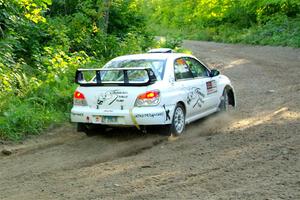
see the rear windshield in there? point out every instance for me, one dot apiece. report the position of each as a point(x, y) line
point(134, 76)
point(158, 67)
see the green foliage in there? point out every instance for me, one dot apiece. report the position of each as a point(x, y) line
point(125, 17)
point(43, 42)
point(170, 42)
point(273, 22)
point(174, 43)
point(26, 116)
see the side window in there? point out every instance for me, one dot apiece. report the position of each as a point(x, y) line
point(181, 69)
point(198, 70)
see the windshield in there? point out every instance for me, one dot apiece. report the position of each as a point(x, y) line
point(158, 66)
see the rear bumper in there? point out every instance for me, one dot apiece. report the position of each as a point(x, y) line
point(136, 116)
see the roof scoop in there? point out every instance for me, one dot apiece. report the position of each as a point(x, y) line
point(161, 50)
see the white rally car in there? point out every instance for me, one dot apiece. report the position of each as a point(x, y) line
point(157, 88)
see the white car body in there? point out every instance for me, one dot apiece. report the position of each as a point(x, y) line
point(115, 105)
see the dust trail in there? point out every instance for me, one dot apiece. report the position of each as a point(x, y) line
point(120, 150)
point(212, 125)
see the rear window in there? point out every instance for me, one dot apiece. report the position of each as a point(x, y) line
point(158, 67)
point(134, 76)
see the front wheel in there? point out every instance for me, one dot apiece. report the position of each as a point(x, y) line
point(225, 105)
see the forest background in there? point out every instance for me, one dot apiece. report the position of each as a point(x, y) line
point(43, 42)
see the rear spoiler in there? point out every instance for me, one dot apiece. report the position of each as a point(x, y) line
point(79, 77)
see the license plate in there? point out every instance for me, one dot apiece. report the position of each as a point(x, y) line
point(98, 118)
point(109, 119)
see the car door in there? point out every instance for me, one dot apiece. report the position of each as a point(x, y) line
point(184, 84)
point(206, 86)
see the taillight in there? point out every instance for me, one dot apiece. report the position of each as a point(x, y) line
point(150, 98)
point(78, 95)
point(79, 99)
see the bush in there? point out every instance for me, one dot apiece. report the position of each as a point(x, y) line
point(265, 22)
point(41, 48)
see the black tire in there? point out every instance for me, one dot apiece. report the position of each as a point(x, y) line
point(172, 129)
point(178, 121)
point(224, 104)
point(164, 130)
point(90, 129)
point(81, 127)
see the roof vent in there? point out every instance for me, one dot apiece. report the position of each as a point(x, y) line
point(161, 50)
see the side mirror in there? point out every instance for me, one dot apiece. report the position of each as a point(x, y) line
point(214, 73)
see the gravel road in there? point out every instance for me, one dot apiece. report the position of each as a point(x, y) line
point(252, 152)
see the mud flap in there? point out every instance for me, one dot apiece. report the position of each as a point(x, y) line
point(134, 119)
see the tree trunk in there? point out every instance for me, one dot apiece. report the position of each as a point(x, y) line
point(107, 4)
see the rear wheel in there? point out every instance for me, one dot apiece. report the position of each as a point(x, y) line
point(90, 129)
point(178, 122)
point(177, 126)
point(81, 127)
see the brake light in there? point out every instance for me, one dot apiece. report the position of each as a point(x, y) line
point(78, 95)
point(79, 99)
point(149, 95)
point(150, 98)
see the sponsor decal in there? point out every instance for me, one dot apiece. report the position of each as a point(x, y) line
point(211, 87)
point(167, 111)
point(111, 97)
point(152, 115)
point(77, 114)
point(195, 97)
point(180, 61)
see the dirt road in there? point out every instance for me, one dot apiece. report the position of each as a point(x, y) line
point(250, 153)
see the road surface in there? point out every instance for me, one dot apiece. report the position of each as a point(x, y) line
point(251, 152)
